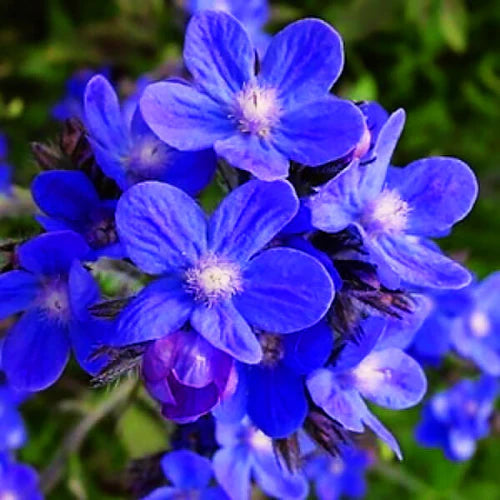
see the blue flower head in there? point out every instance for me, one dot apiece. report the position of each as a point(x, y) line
point(54, 290)
point(129, 152)
point(372, 368)
point(339, 476)
point(189, 475)
point(18, 481)
point(69, 200)
point(257, 122)
point(246, 453)
point(217, 274)
point(455, 419)
point(396, 209)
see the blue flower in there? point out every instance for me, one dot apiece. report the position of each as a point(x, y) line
point(252, 14)
point(273, 393)
point(190, 475)
point(455, 419)
point(131, 152)
point(18, 481)
point(12, 431)
point(218, 275)
point(396, 209)
point(70, 201)
point(339, 476)
point(247, 453)
point(383, 374)
point(54, 290)
point(257, 122)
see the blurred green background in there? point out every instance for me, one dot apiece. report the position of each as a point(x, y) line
point(438, 59)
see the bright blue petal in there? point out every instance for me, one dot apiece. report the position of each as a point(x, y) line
point(309, 349)
point(183, 117)
point(249, 217)
point(18, 289)
point(390, 378)
point(218, 54)
point(64, 194)
point(284, 291)
point(439, 191)
point(461, 445)
point(318, 132)
point(186, 469)
point(52, 253)
point(35, 352)
point(232, 467)
point(233, 409)
point(376, 426)
point(277, 402)
point(419, 265)
point(255, 155)
point(274, 478)
point(165, 493)
point(342, 404)
point(224, 327)
point(302, 75)
point(161, 227)
point(160, 308)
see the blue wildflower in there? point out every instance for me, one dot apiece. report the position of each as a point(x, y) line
point(54, 290)
point(190, 475)
point(339, 476)
point(455, 419)
point(252, 14)
point(131, 152)
point(217, 275)
point(383, 374)
point(274, 390)
point(69, 200)
point(18, 481)
point(396, 209)
point(257, 122)
point(245, 454)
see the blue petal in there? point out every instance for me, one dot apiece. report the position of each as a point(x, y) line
point(218, 54)
point(83, 291)
point(18, 289)
point(274, 478)
point(255, 155)
point(440, 192)
point(161, 227)
point(390, 378)
point(461, 445)
point(224, 327)
point(51, 224)
point(419, 265)
point(319, 132)
point(233, 409)
point(64, 194)
point(284, 291)
point(183, 117)
point(342, 404)
point(309, 349)
point(160, 308)
point(165, 493)
point(35, 352)
point(249, 217)
point(355, 350)
point(302, 75)
point(232, 467)
point(186, 469)
point(277, 402)
point(12, 431)
point(376, 426)
point(52, 253)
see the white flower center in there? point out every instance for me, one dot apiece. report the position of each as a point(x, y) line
point(8, 495)
point(147, 159)
point(54, 299)
point(479, 324)
point(257, 110)
point(213, 279)
point(387, 213)
point(259, 441)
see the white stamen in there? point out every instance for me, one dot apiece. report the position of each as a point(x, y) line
point(386, 213)
point(213, 278)
point(479, 324)
point(257, 109)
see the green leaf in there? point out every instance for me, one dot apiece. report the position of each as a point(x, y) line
point(453, 21)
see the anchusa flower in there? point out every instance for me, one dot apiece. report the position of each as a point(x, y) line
point(257, 122)
point(54, 290)
point(455, 419)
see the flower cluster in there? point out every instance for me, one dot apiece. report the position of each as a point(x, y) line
point(282, 312)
